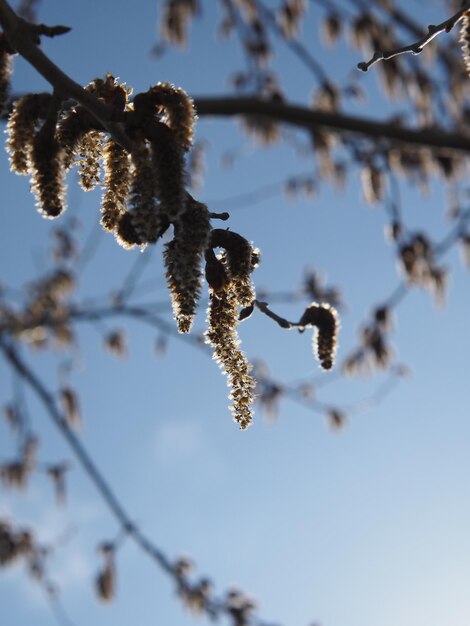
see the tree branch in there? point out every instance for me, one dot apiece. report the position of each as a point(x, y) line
point(22, 39)
point(307, 118)
point(20, 36)
point(417, 46)
point(209, 605)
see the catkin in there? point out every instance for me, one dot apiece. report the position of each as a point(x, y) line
point(465, 40)
point(116, 184)
point(143, 212)
point(183, 257)
point(90, 149)
point(6, 54)
point(71, 129)
point(325, 319)
point(178, 111)
point(222, 336)
point(48, 174)
point(21, 129)
point(169, 174)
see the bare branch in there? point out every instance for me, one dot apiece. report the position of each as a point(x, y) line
point(417, 46)
point(283, 323)
point(23, 39)
point(211, 606)
point(307, 118)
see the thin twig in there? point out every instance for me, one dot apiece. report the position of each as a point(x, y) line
point(417, 46)
point(283, 323)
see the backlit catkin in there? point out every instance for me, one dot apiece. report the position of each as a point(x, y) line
point(465, 40)
point(325, 319)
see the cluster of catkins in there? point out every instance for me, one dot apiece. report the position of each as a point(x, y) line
point(418, 263)
point(143, 194)
point(143, 188)
point(20, 544)
point(13, 543)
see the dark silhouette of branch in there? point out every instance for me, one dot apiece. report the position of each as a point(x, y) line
point(304, 117)
point(23, 39)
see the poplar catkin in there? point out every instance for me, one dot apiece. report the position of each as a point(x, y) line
point(143, 211)
point(465, 40)
point(183, 257)
point(325, 318)
point(169, 174)
point(222, 336)
point(89, 161)
point(116, 184)
point(48, 174)
point(21, 129)
point(6, 54)
point(177, 111)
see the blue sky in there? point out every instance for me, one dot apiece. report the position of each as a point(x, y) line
point(363, 527)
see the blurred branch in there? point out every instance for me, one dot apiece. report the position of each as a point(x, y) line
point(190, 594)
point(307, 118)
point(417, 46)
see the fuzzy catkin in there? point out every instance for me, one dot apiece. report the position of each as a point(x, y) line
point(324, 317)
point(48, 174)
point(169, 175)
point(71, 129)
point(21, 129)
point(76, 130)
point(5, 71)
point(183, 257)
point(143, 212)
point(176, 15)
point(110, 91)
point(116, 184)
point(240, 259)
point(125, 232)
point(178, 111)
point(325, 339)
point(90, 149)
point(465, 40)
point(222, 336)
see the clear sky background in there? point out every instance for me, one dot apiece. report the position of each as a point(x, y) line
point(363, 527)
